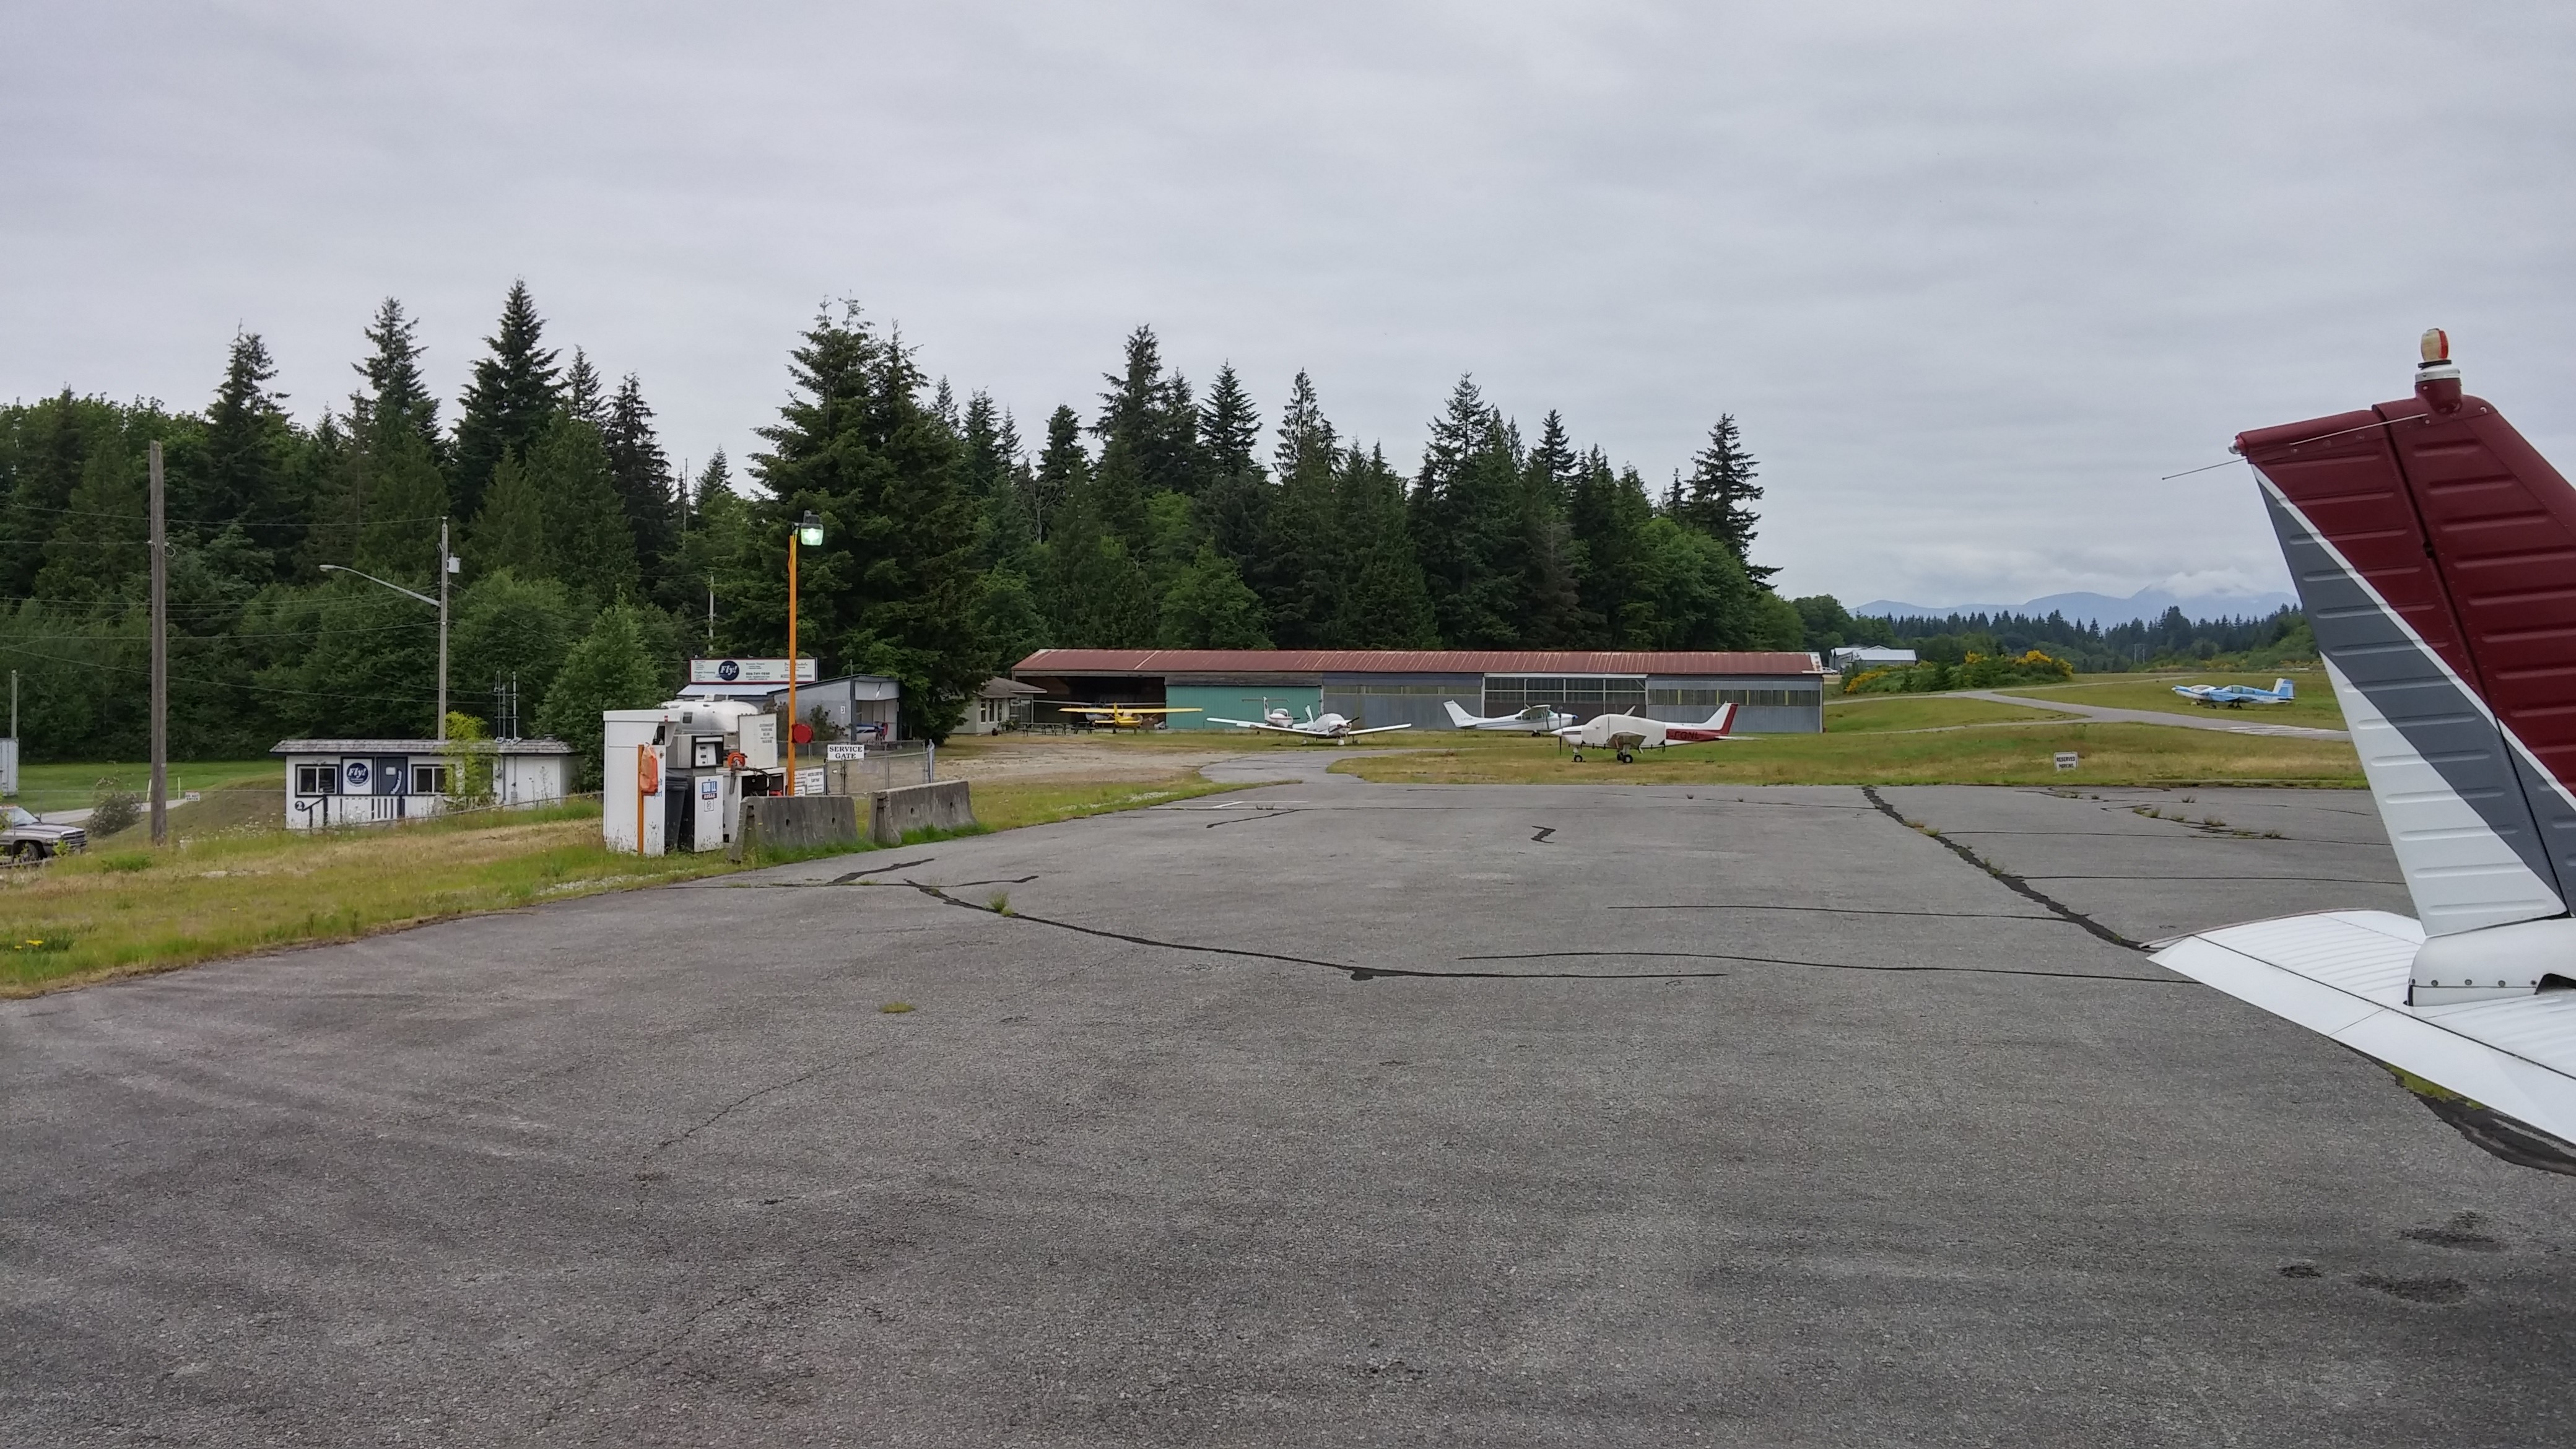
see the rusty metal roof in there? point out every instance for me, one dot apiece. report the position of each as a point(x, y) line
point(1414, 661)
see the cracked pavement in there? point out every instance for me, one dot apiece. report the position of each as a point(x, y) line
point(1495, 1115)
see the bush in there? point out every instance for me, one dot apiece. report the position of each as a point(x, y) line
point(112, 808)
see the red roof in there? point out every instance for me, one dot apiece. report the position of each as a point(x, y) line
point(1412, 661)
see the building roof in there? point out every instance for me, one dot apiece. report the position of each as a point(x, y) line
point(1413, 661)
point(999, 687)
point(419, 747)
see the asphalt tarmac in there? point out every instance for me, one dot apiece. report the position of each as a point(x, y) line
point(1322, 1114)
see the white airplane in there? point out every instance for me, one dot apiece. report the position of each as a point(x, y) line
point(2237, 696)
point(2448, 644)
point(1538, 719)
point(1628, 733)
point(1327, 728)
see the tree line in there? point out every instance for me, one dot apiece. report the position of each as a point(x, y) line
point(2170, 640)
point(953, 544)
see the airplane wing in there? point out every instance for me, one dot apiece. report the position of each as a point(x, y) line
point(1374, 730)
point(2346, 973)
point(1250, 724)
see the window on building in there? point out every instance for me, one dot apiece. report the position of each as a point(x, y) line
point(1594, 693)
point(429, 779)
point(317, 779)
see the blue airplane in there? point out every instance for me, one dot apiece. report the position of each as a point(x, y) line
point(2236, 696)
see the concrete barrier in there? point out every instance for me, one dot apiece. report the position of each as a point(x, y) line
point(795, 822)
point(939, 805)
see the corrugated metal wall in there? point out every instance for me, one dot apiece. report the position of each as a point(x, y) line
point(1393, 699)
point(1237, 701)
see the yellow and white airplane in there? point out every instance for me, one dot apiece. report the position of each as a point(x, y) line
point(1124, 716)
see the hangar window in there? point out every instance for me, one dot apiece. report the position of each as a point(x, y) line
point(317, 779)
point(1600, 694)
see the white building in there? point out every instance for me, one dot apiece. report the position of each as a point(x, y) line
point(1001, 704)
point(371, 782)
point(1854, 659)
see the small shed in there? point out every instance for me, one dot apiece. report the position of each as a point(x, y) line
point(1002, 704)
point(374, 782)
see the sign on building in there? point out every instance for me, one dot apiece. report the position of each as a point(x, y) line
point(749, 671)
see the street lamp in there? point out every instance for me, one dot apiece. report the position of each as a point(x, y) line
point(447, 564)
point(808, 534)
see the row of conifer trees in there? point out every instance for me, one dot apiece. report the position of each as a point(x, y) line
point(954, 544)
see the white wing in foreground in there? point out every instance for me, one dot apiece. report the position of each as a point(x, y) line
point(2344, 973)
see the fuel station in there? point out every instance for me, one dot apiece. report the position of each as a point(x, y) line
point(674, 777)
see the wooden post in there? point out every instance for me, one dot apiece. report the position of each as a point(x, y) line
point(160, 662)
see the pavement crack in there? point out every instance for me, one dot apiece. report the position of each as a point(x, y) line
point(1259, 813)
point(2010, 880)
point(1356, 973)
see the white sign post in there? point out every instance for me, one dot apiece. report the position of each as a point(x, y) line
point(2065, 760)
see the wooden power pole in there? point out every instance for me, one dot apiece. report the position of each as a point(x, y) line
point(160, 662)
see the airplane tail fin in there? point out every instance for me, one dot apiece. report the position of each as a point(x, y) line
point(2285, 689)
point(2430, 545)
point(1459, 717)
point(1723, 720)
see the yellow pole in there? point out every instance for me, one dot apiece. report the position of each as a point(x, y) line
point(792, 537)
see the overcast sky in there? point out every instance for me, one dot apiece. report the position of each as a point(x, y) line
point(1971, 277)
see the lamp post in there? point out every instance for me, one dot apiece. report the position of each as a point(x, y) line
point(447, 564)
point(808, 534)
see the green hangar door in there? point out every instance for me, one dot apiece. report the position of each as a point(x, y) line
point(1237, 701)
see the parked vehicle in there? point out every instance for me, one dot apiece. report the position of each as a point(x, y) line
point(28, 838)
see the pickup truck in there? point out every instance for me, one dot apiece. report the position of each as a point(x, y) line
point(26, 838)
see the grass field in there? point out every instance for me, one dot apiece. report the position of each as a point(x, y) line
point(2314, 707)
point(69, 786)
point(2111, 754)
point(237, 883)
point(1866, 713)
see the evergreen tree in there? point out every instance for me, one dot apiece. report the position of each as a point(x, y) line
point(1551, 614)
point(613, 667)
point(510, 531)
point(401, 500)
point(894, 588)
point(509, 626)
point(240, 463)
point(1229, 428)
point(108, 554)
point(588, 544)
point(511, 399)
point(1607, 513)
point(1302, 562)
point(582, 394)
point(1469, 525)
point(716, 477)
point(394, 384)
point(1208, 606)
point(1385, 604)
point(1064, 469)
point(641, 473)
point(1718, 499)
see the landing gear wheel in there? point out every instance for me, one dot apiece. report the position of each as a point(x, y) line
point(1626, 758)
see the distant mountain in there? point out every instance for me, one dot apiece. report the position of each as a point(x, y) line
point(2101, 608)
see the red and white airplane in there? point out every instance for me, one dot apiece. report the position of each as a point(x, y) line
point(1628, 733)
point(2435, 552)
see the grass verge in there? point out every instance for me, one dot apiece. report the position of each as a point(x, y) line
point(123, 909)
point(2110, 754)
point(69, 786)
point(2314, 707)
point(1868, 713)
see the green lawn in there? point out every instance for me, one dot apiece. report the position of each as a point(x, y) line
point(61, 786)
point(1863, 713)
point(2110, 754)
point(2315, 705)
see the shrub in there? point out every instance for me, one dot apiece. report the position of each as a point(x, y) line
point(112, 808)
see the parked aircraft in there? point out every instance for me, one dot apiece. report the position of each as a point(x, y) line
point(2236, 696)
point(1124, 716)
point(1327, 728)
point(2450, 642)
point(1628, 733)
point(1538, 719)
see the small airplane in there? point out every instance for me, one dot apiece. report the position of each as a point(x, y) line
point(1628, 733)
point(1123, 716)
point(1327, 728)
point(1538, 719)
point(2458, 680)
point(2237, 696)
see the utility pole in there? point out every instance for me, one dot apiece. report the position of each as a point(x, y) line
point(446, 566)
point(160, 663)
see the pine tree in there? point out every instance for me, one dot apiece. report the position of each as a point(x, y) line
point(588, 544)
point(611, 668)
point(240, 464)
point(1385, 604)
point(582, 396)
point(894, 588)
point(1469, 526)
point(1064, 469)
point(1551, 615)
point(402, 498)
point(510, 531)
point(1302, 561)
point(641, 473)
point(509, 402)
point(1208, 606)
point(1718, 499)
point(1229, 428)
point(394, 384)
point(1606, 513)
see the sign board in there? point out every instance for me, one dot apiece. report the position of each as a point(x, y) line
point(810, 782)
point(845, 752)
point(760, 741)
point(749, 671)
point(2066, 759)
